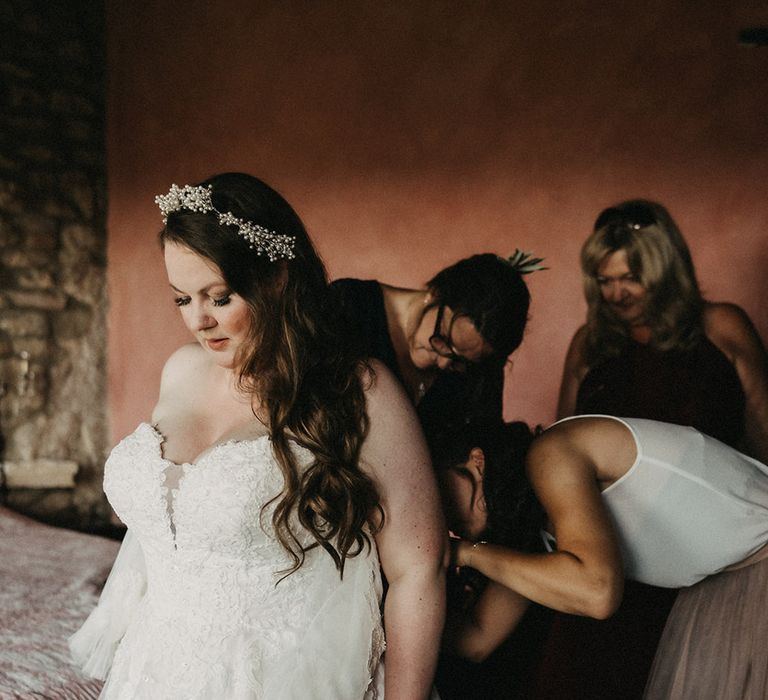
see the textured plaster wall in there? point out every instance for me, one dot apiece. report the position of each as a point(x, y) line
point(409, 134)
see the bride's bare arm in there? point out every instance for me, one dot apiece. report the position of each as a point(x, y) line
point(412, 542)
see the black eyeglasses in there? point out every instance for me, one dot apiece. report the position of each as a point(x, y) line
point(633, 216)
point(443, 345)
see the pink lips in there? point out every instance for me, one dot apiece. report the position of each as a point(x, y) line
point(216, 343)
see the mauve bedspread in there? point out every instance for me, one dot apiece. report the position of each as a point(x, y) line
point(50, 579)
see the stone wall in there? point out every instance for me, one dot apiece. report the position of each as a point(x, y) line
point(52, 259)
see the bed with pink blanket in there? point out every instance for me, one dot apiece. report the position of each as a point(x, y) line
point(50, 579)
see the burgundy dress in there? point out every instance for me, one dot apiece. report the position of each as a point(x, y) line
point(699, 388)
point(611, 659)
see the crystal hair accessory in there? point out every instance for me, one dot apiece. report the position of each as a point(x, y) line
point(197, 198)
point(524, 262)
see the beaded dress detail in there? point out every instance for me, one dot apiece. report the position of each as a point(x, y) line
point(193, 608)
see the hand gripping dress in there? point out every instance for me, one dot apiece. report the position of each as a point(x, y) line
point(195, 607)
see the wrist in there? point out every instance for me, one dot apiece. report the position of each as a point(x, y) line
point(471, 551)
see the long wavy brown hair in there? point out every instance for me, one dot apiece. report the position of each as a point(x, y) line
point(659, 256)
point(307, 386)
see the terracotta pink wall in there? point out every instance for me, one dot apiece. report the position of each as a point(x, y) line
point(409, 134)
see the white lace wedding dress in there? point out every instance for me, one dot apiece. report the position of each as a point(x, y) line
point(193, 608)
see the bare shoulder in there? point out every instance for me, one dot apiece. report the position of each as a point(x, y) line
point(595, 441)
point(383, 391)
point(394, 433)
point(724, 315)
point(184, 363)
point(580, 336)
point(729, 327)
point(180, 377)
point(576, 359)
point(542, 459)
point(556, 470)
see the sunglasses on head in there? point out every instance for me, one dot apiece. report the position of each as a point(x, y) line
point(634, 216)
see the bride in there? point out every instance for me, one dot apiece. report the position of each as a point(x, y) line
point(278, 472)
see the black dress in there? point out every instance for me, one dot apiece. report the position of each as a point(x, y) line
point(611, 659)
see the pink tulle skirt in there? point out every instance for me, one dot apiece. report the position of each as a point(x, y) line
point(715, 643)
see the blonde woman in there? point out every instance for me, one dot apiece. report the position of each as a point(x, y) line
point(652, 347)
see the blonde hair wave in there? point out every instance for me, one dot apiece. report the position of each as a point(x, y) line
point(658, 256)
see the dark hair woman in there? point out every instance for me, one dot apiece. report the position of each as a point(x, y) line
point(448, 342)
point(657, 503)
point(486, 497)
point(264, 493)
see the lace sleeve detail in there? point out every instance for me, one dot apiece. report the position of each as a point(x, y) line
point(93, 645)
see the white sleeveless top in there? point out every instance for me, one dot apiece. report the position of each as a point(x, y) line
point(688, 507)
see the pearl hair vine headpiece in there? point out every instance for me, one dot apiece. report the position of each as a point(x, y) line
point(197, 198)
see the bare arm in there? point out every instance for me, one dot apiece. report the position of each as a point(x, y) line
point(573, 372)
point(729, 327)
point(412, 541)
point(475, 633)
point(584, 576)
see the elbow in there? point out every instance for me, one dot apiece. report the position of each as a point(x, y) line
point(602, 609)
point(475, 648)
point(477, 655)
point(604, 597)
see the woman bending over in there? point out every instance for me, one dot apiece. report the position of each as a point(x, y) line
point(653, 502)
point(448, 342)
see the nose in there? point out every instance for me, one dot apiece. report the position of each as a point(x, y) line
point(201, 320)
point(614, 291)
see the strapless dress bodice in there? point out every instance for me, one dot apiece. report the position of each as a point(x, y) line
point(216, 616)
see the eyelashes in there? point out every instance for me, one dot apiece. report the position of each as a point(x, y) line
point(218, 301)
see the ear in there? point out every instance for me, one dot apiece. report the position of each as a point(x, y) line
point(480, 503)
point(476, 466)
point(477, 460)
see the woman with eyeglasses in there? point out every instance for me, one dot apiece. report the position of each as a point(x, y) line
point(446, 343)
point(652, 347)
